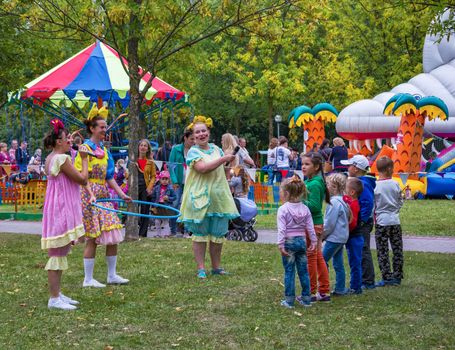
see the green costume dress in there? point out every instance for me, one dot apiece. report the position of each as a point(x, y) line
point(207, 204)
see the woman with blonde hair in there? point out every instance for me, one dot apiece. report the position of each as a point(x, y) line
point(207, 204)
point(228, 144)
point(339, 153)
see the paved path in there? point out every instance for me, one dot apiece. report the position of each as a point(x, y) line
point(410, 243)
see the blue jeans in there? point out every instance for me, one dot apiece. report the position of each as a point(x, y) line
point(176, 204)
point(354, 246)
point(272, 174)
point(335, 251)
point(296, 248)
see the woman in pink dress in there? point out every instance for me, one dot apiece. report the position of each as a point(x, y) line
point(62, 213)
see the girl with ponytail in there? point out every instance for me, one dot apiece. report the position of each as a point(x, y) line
point(62, 212)
point(312, 168)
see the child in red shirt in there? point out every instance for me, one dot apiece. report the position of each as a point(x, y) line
point(354, 245)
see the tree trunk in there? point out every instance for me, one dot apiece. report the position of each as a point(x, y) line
point(136, 131)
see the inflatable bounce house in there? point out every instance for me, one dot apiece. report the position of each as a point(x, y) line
point(414, 123)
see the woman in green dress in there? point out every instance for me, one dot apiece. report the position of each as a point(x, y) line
point(207, 204)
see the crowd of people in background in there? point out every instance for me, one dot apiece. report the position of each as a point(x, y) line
point(16, 164)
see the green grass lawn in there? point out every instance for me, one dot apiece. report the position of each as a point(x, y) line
point(421, 218)
point(166, 307)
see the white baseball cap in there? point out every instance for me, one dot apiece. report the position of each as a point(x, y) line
point(359, 161)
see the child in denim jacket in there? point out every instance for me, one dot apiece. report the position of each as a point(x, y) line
point(293, 220)
point(336, 230)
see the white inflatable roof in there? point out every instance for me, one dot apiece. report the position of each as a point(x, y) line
point(438, 79)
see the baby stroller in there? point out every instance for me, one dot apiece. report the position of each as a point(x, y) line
point(243, 226)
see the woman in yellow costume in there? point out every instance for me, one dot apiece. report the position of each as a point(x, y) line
point(207, 204)
point(101, 226)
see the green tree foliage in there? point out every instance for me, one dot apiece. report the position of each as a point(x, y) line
point(309, 52)
point(332, 51)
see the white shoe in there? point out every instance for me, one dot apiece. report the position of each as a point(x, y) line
point(93, 283)
point(68, 300)
point(116, 279)
point(57, 303)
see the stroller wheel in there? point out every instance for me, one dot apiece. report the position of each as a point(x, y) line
point(230, 236)
point(252, 235)
point(238, 235)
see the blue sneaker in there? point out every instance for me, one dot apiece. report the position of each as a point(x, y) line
point(355, 291)
point(201, 274)
point(368, 286)
point(336, 293)
point(384, 283)
point(303, 302)
point(395, 281)
point(285, 304)
point(219, 271)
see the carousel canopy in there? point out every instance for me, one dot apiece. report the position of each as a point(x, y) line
point(93, 73)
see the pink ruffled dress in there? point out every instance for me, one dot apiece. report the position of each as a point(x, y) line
point(62, 214)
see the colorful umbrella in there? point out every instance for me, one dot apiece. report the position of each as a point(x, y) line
point(93, 73)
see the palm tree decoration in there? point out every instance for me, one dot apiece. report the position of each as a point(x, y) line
point(313, 121)
point(413, 112)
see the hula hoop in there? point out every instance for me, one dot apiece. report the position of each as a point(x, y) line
point(138, 214)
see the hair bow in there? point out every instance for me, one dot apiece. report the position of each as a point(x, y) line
point(201, 119)
point(103, 112)
point(295, 178)
point(57, 125)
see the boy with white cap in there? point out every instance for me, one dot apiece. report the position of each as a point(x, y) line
point(358, 166)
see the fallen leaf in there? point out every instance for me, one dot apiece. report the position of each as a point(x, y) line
point(302, 325)
point(110, 292)
point(211, 299)
point(178, 308)
point(108, 347)
point(179, 338)
point(297, 313)
point(23, 305)
point(175, 345)
point(256, 329)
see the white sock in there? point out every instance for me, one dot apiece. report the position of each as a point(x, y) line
point(111, 265)
point(54, 300)
point(89, 265)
